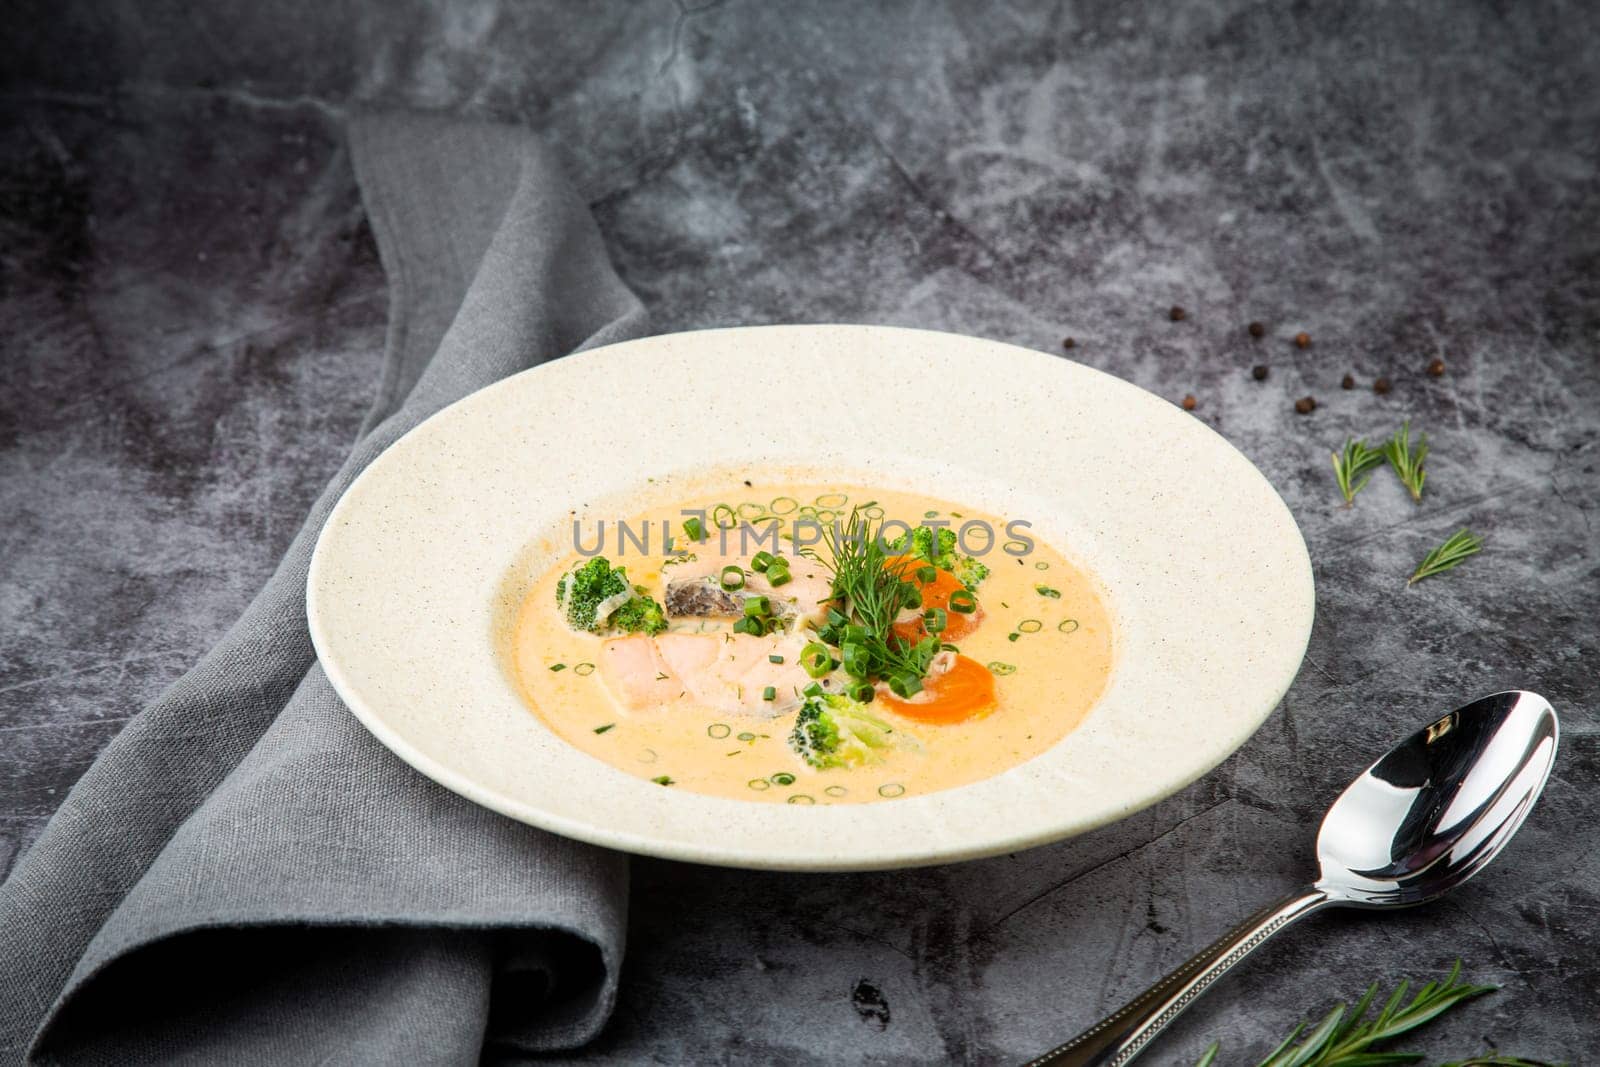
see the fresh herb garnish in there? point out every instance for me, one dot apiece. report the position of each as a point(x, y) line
point(870, 590)
point(558, 666)
point(1407, 463)
point(1346, 1038)
point(662, 780)
point(1352, 467)
point(1455, 549)
point(1046, 591)
point(603, 729)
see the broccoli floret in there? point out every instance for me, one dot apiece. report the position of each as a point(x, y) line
point(590, 594)
point(640, 615)
point(921, 543)
point(835, 731)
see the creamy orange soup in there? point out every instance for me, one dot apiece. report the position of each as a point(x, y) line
point(701, 708)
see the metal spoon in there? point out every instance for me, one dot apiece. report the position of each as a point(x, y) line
point(1422, 820)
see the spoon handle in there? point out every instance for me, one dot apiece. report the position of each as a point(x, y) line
point(1120, 1037)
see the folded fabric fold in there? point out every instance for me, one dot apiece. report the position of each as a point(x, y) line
point(245, 873)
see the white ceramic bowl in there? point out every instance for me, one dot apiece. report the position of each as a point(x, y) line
point(421, 564)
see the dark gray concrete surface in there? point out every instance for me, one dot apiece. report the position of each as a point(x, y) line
point(191, 316)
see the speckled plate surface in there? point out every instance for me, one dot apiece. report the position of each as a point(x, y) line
point(422, 562)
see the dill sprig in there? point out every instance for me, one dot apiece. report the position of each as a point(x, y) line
point(1407, 463)
point(869, 592)
point(1346, 1038)
point(1352, 467)
point(1455, 549)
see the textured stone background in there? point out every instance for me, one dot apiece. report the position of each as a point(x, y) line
point(191, 316)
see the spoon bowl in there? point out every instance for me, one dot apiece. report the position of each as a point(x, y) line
point(1417, 823)
point(1439, 806)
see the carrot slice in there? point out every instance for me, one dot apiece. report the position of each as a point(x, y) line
point(935, 594)
point(965, 690)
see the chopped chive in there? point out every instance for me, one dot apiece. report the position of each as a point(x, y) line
point(934, 620)
point(783, 778)
point(777, 575)
point(722, 511)
point(836, 790)
point(788, 503)
point(861, 692)
point(757, 606)
point(1016, 548)
point(930, 514)
point(761, 560)
point(891, 789)
point(1030, 626)
point(558, 666)
point(769, 693)
point(1041, 566)
point(812, 690)
point(905, 685)
point(662, 780)
point(747, 736)
point(718, 730)
point(749, 625)
point(996, 667)
point(695, 529)
point(832, 500)
point(751, 510)
point(759, 783)
point(802, 798)
point(1067, 626)
point(856, 658)
point(774, 658)
point(816, 659)
point(1045, 590)
point(732, 577)
point(583, 668)
point(962, 602)
point(603, 729)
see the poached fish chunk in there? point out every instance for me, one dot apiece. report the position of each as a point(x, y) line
point(724, 673)
point(694, 588)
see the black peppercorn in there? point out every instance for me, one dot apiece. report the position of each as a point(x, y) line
point(1189, 402)
point(1259, 372)
point(1380, 386)
point(1257, 330)
point(1349, 382)
point(1302, 339)
point(1306, 405)
point(1069, 343)
point(1436, 369)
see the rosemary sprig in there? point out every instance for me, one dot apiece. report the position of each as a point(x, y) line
point(1346, 1038)
point(1406, 462)
point(1455, 549)
point(1352, 467)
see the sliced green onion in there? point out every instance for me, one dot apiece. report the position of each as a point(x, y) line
point(861, 692)
point(927, 574)
point(832, 500)
point(777, 575)
point(761, 560)
point(801, 798)
point(603, 729)
point(813, 690)
point(1045, 590)
point(891, 789)
point(930, 514)
point(583, 668)
point(1067, 626)
point(836, 790)
point(769, 693)
point(783, 778)
point(826, 515)
point(662, 780)
point(872, 511)
point(724, 517)
point(1030, 626)
point(857, 659)
point(816, 659)
point(934, 620)
point(558, 666)
point(749, 625)
point(905, 685)
point(732, 577)
point(962, 602)
point(751, 510)
point(996, 667)
point(1041, 566)
point(1012, 636)
point(695, 529)
point(747, 736)
point(759, 784)
point(774, 658)
point(758, 606)
point(718, 730)
point(1016, 548)
point(783, 505)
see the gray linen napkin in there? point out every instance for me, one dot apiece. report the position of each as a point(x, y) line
point(245, 875)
